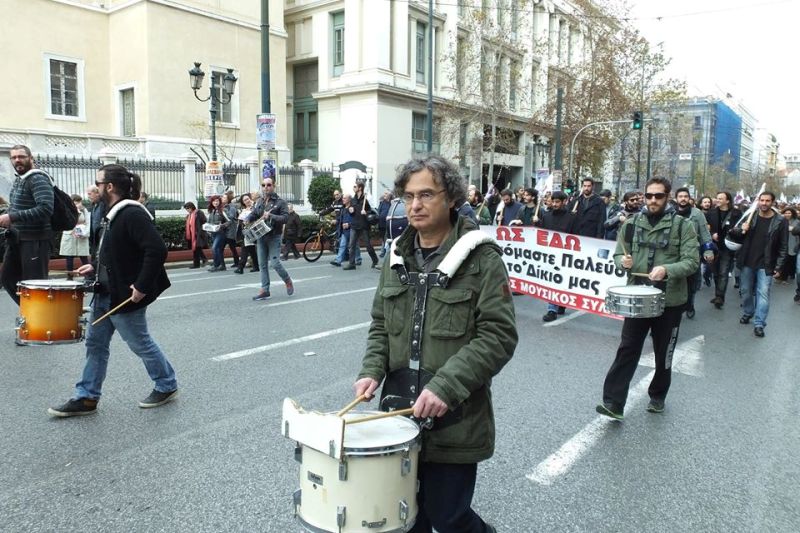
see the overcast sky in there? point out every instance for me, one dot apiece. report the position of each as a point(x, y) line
point(748, 48)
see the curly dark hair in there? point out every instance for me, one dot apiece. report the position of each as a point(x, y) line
point(445, 173)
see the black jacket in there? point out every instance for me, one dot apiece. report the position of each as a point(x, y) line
point(133, 253)
point(561, 220)
point(292, 228)
point(720, 222)
point(278, 212)
point(591, 215)
point(777, 242)
point(359, 220)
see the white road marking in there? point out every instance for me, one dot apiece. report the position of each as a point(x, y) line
point(692, 362)
point(283, 344)
point(563, 318)
point(563, 459)
point(321, 296)
point(236, 288)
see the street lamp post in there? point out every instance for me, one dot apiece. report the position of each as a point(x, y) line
point(196, 76)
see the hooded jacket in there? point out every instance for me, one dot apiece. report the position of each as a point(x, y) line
point(469, 334)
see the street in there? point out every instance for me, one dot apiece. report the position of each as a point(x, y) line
point(722, 457)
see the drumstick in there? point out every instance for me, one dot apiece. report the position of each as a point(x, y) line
point(129, 300)
point(640, 274)
point(401, 412)
point(352, 404)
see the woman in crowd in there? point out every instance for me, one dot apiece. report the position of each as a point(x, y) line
point(195, 234)
point(217, 219)
point(790, 265)
point(231, 226)
point(249, 248)
point(75, 242)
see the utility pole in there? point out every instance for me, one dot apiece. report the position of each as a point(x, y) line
point(266, 106)
point(430, 77)
point(649, 147)
point(557, 164)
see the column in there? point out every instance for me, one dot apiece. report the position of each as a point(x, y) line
point(190, 192)
point(308, 173)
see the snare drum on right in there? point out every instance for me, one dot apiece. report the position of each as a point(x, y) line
point(635, 301)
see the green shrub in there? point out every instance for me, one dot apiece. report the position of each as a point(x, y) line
point(173, 231)
point(320, 191)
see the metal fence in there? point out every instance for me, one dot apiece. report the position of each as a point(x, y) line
point(72, 174)
point(162, 180)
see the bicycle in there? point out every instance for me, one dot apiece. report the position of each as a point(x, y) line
point(318, 241)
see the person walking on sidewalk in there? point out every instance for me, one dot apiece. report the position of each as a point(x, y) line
point(291, 232)
point(272, 208)
point(129, 268)
point(663, 246)
point(359, 228)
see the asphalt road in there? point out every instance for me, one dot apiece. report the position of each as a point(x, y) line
point(722, 457)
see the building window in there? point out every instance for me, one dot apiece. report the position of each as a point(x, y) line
point(461, 63)
point(514, 19)
point(534, 82)
point(338, 43)
point(501, 13)
point(127, 112)
point(64, 78)
point(421, 51)
point(419, 134)
point(484, 75)
point(224, 101)
point(462, 143)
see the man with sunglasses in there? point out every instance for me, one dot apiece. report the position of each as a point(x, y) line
point(657, 248)
point(271, 208)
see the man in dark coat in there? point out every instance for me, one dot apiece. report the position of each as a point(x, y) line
point(130, 271)
point(557, 218)
point(590, 210)
point(291, 232)
point(720, 221)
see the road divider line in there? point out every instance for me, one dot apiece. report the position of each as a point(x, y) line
point(290, 342)
point(564, 318)
point(320, 297)
point(236, 288)
point(562, 460)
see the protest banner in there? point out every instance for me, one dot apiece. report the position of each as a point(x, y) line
point(561, 268)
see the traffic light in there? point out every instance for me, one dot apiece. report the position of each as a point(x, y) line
point(637, 120)
point(569, 187)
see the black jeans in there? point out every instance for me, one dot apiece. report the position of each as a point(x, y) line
point(722, 269)
point(290, 246)
point(24, 260)
point(664, 330)
point(445, 499)
point(355, 235)
point(249, 251)
point(198, 256)
point(231, 243)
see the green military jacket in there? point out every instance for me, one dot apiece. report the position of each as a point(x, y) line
point(469, 334)
point(679, 257)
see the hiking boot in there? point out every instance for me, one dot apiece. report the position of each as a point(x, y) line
point(655, 406)
point(74, 407)
point(238, 271)
point(289, 287)
point(156, 399)
point(745, 319)
point(561, 310)
point(549, 316)
point(609, 410)
point(349, 267)
point(261, 296)
point(690, 312)
point(336, 263)
point(758, 331)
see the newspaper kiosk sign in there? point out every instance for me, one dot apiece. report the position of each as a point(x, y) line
point(561, 268)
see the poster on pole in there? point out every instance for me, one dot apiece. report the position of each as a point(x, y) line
point(265, 131)
point(269, 169)
point(557, 180)
point(214, 184)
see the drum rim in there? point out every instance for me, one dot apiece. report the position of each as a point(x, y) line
point(316, 529)
point(63, 284)
point(619, 289)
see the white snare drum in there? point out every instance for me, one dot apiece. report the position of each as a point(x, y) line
point(50, 312)
point(373, 488)
point(635, 301)
point(256, 230)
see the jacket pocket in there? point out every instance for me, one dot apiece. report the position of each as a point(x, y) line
point(395, 308)
point(449, 312)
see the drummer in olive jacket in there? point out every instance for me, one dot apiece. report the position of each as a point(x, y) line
point(442, 326)
point(662, 248)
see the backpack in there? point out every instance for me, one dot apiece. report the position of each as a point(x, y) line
point(65, 214)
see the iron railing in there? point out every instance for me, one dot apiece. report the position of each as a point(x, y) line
point(162, 180)
point(72, 174)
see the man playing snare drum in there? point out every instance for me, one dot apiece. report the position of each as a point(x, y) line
point(442, 326)
point(662, 248)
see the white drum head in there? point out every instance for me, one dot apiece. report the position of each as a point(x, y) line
point(380, 433)
point(635, 290)
point(56, 284)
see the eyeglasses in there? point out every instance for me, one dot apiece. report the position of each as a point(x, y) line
point(266, 185)
point(656, 195)
point(99, 183)
point(424, 196)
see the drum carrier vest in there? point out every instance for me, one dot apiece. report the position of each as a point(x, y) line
point(634, 236)
point(403, 386)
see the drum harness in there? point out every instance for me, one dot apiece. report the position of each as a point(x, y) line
point(403, 386)
point(634, 235)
